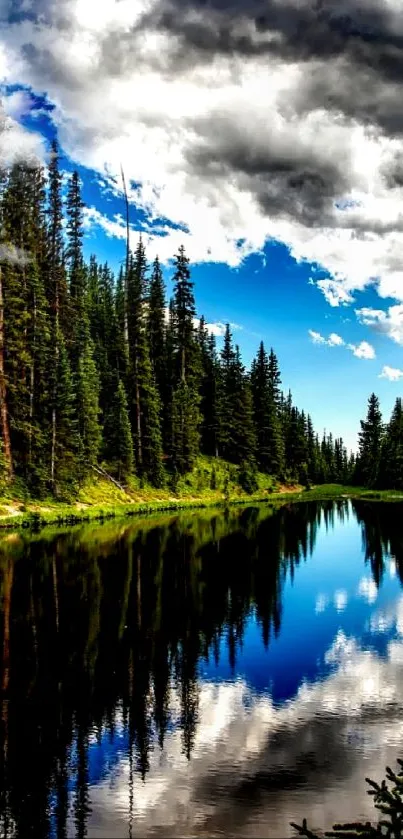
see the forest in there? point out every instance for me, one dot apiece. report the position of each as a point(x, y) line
point(101, 371)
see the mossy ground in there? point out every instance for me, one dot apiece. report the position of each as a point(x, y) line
point(212, 482)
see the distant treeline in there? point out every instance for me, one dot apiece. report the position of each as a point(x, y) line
point(102, 369)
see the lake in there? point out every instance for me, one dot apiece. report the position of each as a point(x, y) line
point(219, 673)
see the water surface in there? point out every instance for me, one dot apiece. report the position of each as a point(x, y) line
point(207, 674)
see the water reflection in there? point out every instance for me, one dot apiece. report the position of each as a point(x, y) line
point(197, 674)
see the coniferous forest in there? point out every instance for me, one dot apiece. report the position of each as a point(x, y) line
point(102, 372)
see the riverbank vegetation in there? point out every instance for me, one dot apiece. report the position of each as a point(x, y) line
point(103, 376)
point(105, 382)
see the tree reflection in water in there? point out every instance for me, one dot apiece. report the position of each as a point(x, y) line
point(98, 624)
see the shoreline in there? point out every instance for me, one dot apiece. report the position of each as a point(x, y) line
point(35, 516)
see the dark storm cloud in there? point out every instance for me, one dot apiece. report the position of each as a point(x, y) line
point(288, 180)
point(356, 47)
point(292, 30)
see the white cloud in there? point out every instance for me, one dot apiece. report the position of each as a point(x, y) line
point(335, 292)
point(350, 708)
point(317, 338)
point(17, 104)
point(117, 99)
point(391, 373)
point(390, 323)
point(362, 350)
point(333, 340)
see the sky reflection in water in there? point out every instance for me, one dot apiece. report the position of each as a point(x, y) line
point(263, 651)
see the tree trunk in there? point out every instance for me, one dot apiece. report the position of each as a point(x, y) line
point(5, 428)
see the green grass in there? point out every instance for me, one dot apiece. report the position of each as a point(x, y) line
point(211, 483)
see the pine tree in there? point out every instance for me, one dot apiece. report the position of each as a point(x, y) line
point(391, 461)
point(144, 397)
point(66, 437)
point(265, 380)
point(81, 347)
point(370, 443)
point(78, 316)
point(209, 385)
point(184, 314)
point(118, 443)
point(156, 328)
point(226, 397)
point(57, 295)
point(185, 416)
point(87, 407)
point(243, 423)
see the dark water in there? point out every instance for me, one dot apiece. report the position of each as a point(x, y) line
point(214, 674)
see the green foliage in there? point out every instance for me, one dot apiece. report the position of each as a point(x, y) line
point(248, 477)
point(370, 445)
point(76, 382)
point(388, 800)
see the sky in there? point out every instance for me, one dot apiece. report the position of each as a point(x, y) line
point(266, 136)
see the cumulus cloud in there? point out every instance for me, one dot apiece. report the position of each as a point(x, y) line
point(389, 323)
point(241, 120)
point(354, 713)
point(362, 350)
point(391, 373)
point(333, 340)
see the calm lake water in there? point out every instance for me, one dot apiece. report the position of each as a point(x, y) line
point(212, 674)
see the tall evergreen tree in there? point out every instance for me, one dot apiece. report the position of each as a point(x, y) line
point(118, 443)
point(370, 444)
point(265, 381)
point(156, 327)
point(209, 386)
point(391, 460)
point(84, 369)
point(186, 418)
point(145, 401)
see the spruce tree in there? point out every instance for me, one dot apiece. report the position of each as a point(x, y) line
point(265, 380)
point(209, 385)
point(56, 289)
point(391, 461)
point(118, 443)
point(81, 347)
point(185, 414)
point(144, 398)
point(370, 444)
point(226, 397)
point(156, 328)
point(78, 316)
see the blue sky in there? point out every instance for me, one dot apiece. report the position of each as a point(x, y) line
point(288, 207)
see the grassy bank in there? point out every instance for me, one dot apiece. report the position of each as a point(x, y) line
point(212, 483)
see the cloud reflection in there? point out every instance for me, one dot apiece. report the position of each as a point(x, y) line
point(294, 760)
